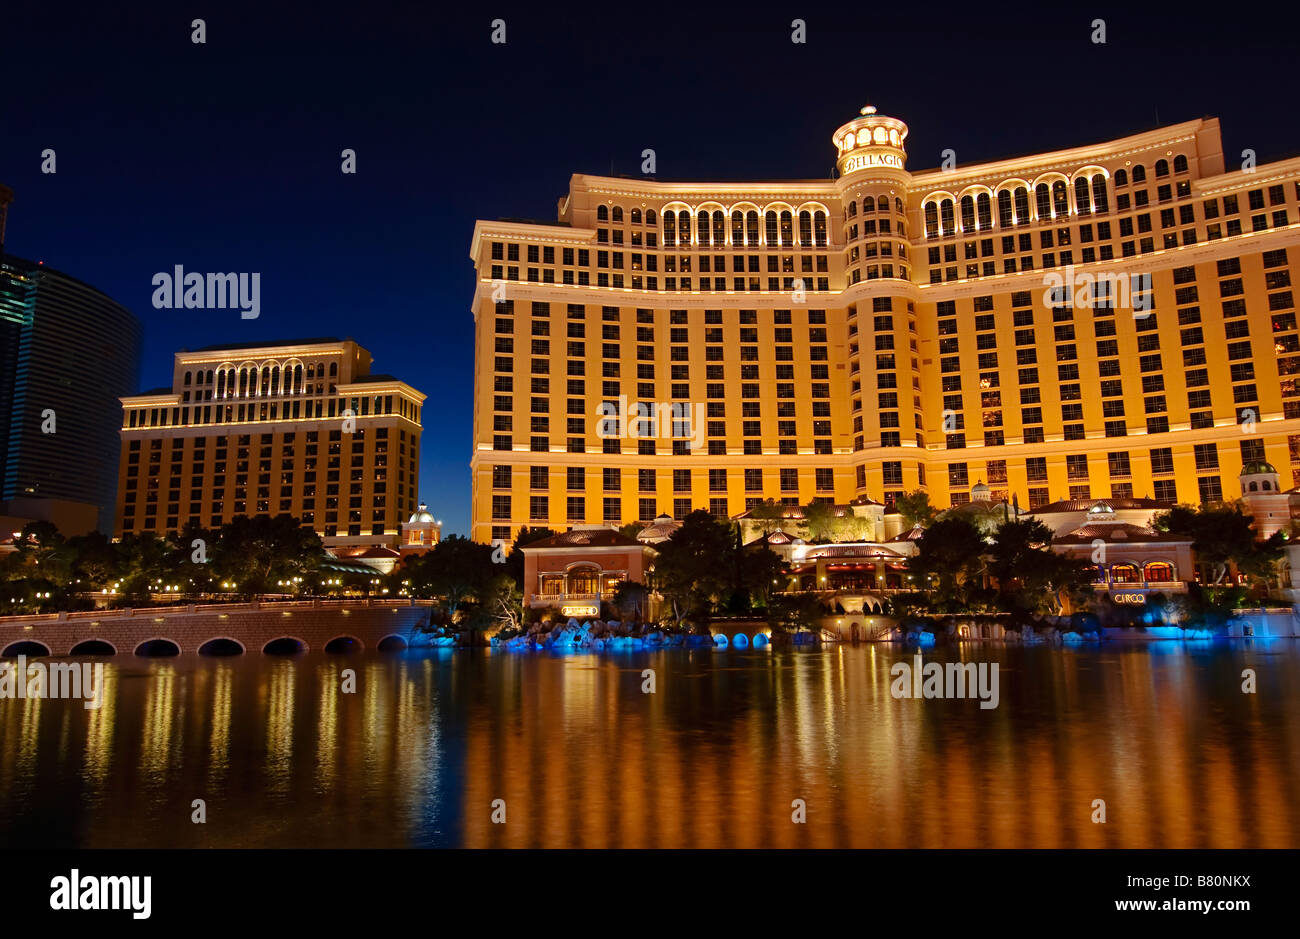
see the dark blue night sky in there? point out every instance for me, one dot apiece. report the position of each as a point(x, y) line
point(225, 156)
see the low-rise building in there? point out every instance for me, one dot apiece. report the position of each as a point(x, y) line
point(574, 572)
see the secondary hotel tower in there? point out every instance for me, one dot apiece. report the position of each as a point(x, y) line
point(302, 429)
point(1114, 320)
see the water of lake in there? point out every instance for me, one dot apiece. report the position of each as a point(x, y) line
point(715, 757)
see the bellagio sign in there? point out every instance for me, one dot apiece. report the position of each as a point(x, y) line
point(866, 161)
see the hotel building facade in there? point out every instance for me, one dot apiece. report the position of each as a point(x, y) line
point(68, 352)
point(302, 429)
point(1115, 320)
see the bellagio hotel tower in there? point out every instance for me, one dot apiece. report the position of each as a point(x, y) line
point(1114, 320)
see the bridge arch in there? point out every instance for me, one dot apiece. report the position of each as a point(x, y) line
point(392, 643)
point(93, 647)
point(28, 647)
point(284, 645)
point(345, 643)
point(222, 645)
point(158, 646)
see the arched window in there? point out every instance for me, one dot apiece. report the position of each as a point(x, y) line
point(1082, 196)
point(852, 210)
point(967, 213)
point(1099, 201)
point(787, 228)
point(1254, 487)
point(1180, 164)
point(737, 227)
point(650, 216)
point(221, 384)
point(946, 217)
point(1139, 174)
point(1121, 177)
point(1060, 199)
point(868, 204)
point(805, 228)
point(636, 216)
point(984, 207)
point(1043, 200)
point(931, 221)
point(898, 205)
point(1159, 572)
point(670, 229)
point(771, 233)
point(1162, 168)
point(684, 227)
point(1125, 574)
point(719, 227)
point(602, 213)
point(704, 227)
point(187, 378)
point(618, 213)
point(819, 228)
point(1006, 217)
point(583, 580)
point(1022, 206)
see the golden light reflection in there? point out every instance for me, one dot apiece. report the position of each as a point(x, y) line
point(714, 758)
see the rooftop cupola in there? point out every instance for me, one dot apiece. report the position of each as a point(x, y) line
point(871, 142)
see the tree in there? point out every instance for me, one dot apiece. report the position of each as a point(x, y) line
point(767, 512)
point(141, 564)
point(695, 570)
point(1031, 576)
point(515, 559)
point(459, 571)
point(915, 508)
point(821, 520)
point(950, 559)
point(792, 612)
point(500, 605)
point(1223, 536)
point(257, 552)
point(45, 553)
point(830, 523)
point(630, 598)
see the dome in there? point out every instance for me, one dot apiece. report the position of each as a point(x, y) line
point(1258, 467)
point(421, 516)
point(980, 492)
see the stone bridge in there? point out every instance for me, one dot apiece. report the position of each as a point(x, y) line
point(220, 628)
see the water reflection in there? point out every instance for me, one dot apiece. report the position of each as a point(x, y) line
point(716, 757)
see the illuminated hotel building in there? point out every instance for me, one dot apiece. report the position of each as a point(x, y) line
point(883, 331)
point(299, 428)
